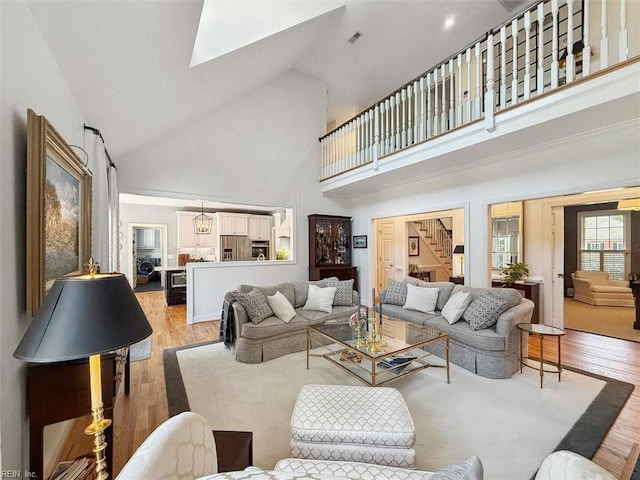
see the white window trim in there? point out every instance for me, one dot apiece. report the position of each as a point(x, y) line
point(627, 234)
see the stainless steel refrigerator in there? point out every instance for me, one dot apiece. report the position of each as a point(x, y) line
point(235, 248)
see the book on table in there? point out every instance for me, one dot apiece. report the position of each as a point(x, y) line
point(80, 469)
point(400, 362)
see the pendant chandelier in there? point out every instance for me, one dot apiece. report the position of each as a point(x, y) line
point(202, 223)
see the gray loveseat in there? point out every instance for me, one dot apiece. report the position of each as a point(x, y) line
point(490, 352)
point(272, 337)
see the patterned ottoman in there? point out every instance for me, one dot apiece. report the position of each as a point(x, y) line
point(357, 424)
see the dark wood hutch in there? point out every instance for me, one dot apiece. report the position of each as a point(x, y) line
point(330, 248)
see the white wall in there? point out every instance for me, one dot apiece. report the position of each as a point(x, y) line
point(261, 149)
point(30, 79)
point(600, 160)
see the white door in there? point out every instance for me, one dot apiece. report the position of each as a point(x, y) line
point(387, 255)
point(557, 269)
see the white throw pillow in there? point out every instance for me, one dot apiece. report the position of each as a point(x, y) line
point(281, 306)
point(421, 299)
point(455, 306)
point(320, 299)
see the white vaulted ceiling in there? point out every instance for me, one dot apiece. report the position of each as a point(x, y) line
point(128, 62)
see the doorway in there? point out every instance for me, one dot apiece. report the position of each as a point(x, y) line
point(599, 237)
point(147, 256)
point(418, 245)
point(553, 251)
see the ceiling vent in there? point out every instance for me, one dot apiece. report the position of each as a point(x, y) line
point(354, 38)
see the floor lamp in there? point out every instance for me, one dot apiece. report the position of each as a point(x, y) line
point(459, 250)
point(85, 316)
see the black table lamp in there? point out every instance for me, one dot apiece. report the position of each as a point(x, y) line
point(85, 316)
point(459, 250)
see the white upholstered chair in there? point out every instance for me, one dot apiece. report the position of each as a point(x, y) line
point(565, 465)
point(182, 448)
point(596, 288)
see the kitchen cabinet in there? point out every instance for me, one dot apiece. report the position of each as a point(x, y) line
point(187, 236)
point(233, 223)
point(260, 227)
point(146, 238)
point(175, 287)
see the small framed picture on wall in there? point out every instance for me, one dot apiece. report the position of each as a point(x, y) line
point(359, 241)
point(414, 246)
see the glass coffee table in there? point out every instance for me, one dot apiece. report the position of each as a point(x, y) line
point(400, 351)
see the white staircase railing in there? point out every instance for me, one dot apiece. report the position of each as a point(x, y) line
point(552, 43)
point(437, 235)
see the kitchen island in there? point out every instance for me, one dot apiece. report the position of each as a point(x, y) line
point(175, 285)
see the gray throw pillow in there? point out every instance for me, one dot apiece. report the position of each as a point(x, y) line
point(470, 469)
point(256, 304)
point(285, 288)
point(483, 311)
point(344, 289)
point(396, 293)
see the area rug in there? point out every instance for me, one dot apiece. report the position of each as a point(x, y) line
point(616, 322)
point(510, 424)
point(141, 350)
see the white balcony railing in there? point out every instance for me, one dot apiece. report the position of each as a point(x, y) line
point(552, 43)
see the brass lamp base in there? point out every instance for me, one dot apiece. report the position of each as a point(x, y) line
point(97, 428)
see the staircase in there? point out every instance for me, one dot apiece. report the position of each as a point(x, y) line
point(438, 237)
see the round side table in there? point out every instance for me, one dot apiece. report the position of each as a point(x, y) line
point(541, 331)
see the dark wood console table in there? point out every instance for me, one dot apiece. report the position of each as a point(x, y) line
point(635, 288)
point(60, 391)
point(234, 450)
point(530, 290)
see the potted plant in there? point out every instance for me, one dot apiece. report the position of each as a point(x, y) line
point(514, 272)
point(282, 254)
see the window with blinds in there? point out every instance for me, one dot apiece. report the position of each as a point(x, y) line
point(604, 241)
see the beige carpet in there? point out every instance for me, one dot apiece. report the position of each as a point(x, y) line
point(510, 424)
point(610, 321)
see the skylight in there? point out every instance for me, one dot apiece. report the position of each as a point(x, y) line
point(228, 26)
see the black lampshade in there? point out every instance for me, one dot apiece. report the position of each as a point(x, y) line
point(458, 249)
point(83, 316)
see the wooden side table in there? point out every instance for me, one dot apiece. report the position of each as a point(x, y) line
point(457, 280)
point(234, 450)
point(541, 331)
point(635, 288)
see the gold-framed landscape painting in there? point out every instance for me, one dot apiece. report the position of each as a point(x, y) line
point(58, 210)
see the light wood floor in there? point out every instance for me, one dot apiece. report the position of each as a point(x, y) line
point(146, 407)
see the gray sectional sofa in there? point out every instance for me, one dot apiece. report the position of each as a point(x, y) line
point(490, 352)
point(272, 337)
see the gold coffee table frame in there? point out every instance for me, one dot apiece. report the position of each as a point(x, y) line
point(401, 338)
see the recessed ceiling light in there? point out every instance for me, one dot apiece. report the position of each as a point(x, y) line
point(448, 23)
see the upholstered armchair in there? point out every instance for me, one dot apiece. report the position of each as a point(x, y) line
point(565, 465)
point(596, 288)
point(182, 448)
